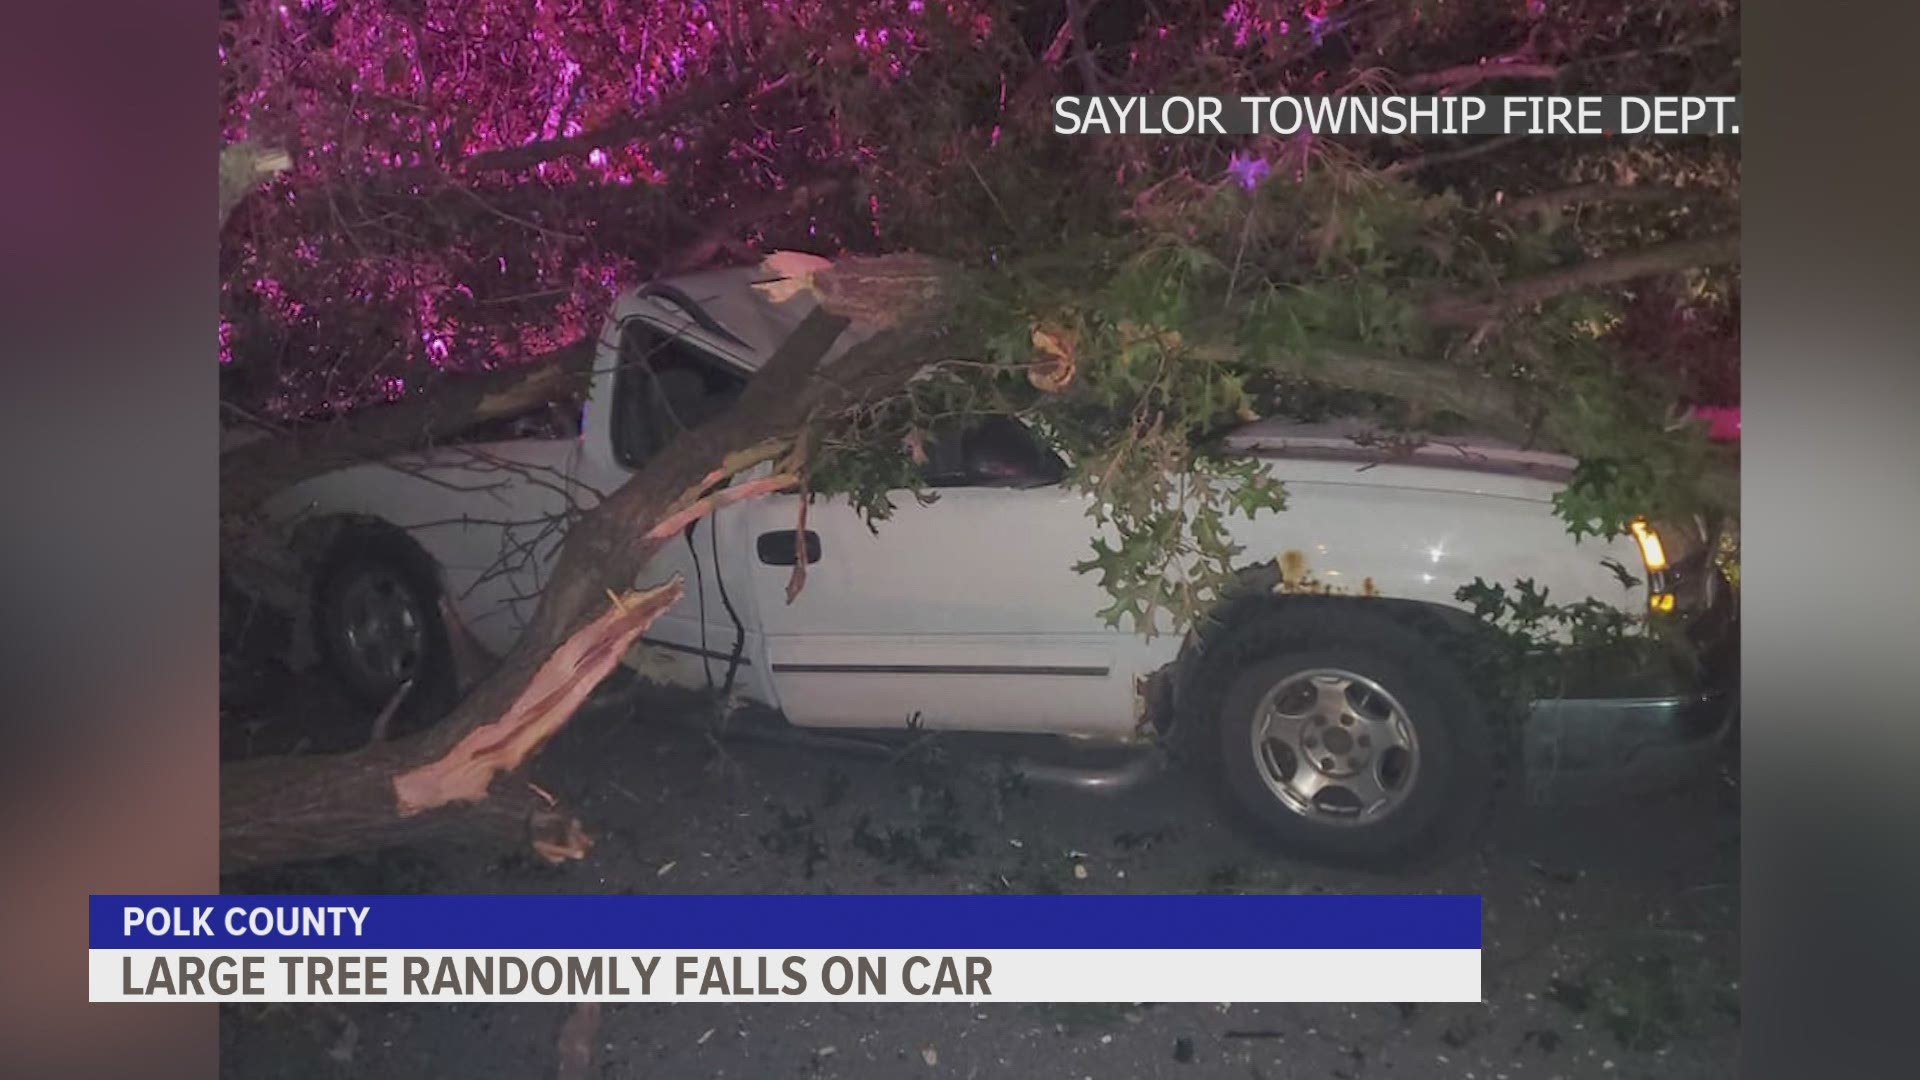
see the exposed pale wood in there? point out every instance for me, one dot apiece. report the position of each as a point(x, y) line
point(556, 689)
point(741, 492)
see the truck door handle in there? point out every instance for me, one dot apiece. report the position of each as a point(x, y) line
point(778, 548)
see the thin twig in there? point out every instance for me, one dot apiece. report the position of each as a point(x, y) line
point(517, 220)
point(384, 721)
point(988, 188)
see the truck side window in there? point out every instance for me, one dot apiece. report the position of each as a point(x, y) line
point(664, 386)
point(993, 451)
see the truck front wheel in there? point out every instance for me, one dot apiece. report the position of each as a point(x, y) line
point(1346, 737)
point(377, 622)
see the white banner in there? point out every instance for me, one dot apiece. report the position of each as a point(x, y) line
point(1018, 975)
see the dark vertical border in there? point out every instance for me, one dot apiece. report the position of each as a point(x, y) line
point(108, 550)
point(1831, 533)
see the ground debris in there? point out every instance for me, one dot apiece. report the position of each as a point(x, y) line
point(1570, 1000)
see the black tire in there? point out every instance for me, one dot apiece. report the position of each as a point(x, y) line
point(1454, 780)
point(394, 567)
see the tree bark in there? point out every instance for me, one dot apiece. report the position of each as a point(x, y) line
point(456, 403)
point(1457, 312)
point(701, 98)
point(451, 780)
point(724, 232)
point(456, 778)
point(450, 406)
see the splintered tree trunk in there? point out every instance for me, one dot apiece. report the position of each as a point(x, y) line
point(415, 789)
point(456, 779)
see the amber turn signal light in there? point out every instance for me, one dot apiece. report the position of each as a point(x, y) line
point(1652, 553)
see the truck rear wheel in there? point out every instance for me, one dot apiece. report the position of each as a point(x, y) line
point(1345, 736)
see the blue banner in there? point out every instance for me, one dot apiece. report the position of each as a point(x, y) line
point(748, 922)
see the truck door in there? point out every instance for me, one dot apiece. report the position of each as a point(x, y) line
point(661, 384)
point(964, 613)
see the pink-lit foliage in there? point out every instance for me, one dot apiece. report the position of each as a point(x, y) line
point(391, 249)
point(402, 243)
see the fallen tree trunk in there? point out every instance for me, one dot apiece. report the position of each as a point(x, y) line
point(415, 789)
point(449, 780)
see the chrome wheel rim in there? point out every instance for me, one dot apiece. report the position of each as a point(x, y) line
point(382, 627)
point(1335, 747)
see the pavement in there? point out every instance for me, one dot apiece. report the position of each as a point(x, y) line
point(1611, 940)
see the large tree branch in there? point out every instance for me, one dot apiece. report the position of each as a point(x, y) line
point(717, 236)
point(1444, 157)
point(1546, 202)
point(562, 682)
point(450, 406)
point(1459, 78)
point(1027, 92)
point(1454, 312)
point(702, 97)
point(256, 470)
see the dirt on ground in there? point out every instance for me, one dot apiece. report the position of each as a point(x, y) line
point(1611, 926)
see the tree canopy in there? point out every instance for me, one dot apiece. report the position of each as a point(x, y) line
point(469, 180)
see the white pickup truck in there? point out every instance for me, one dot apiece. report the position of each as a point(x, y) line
point(1327, 696)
